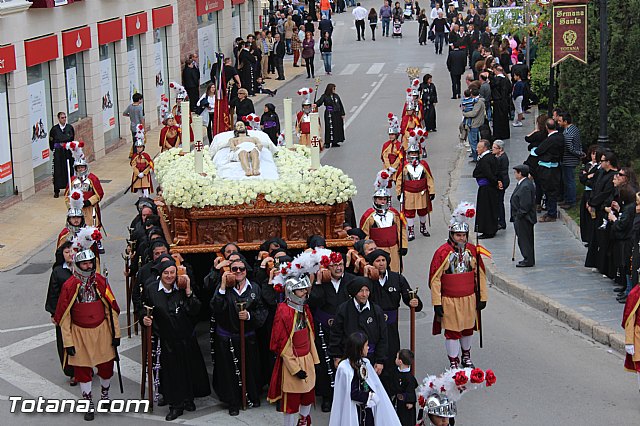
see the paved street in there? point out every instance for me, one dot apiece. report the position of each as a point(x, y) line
point(547, 372)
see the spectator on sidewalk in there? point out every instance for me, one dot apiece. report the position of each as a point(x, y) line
point(570, 158)
point(534, 139)
point(243, 105)
point(266, 46)
point(621, 216)
point(373, 22)
point(385, 17)
point(325, 26)
point(456, 64)
point(308, 54)
point(359, 15)
point(191, 83)
point(135, 112)
point(523, 215)
point(477, 120)
point(278, 57)
point(601, 196)
point(502, 162)
point(326, 45)
point(485, 93)
point(325, 9)
point(296, 46)
point(62, 158)
point(288, 33)
point(435, 12)
point(588, 176)
point(429, 98)
point(440, 27)
point(309, 27)
point(549, 155)
point(207, 103)
point(485, 174)
point(517, 94)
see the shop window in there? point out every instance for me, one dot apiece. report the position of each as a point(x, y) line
point(134, 65)
point(76, 94)
point(161, 65)
point(6, 165)
point(40, 119)
point(208, 44)
point(109, 93)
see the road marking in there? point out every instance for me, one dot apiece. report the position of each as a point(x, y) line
point(375, 68)
point(427, 68)
point(364, 95)
point(353, 108)
point(374, 83)
point(349, 69)
point(364, 103)
point(28, 327)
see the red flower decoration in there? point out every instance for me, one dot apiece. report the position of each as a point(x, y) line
point(81, 144)
point(256, 119)
point(384, 175)
point(310, 90)
point(173, 86)
point(96, 236)
point(335, 258)
point(477, 375)
point(283, 271)
point(140, 127)
point(299, 266)
point(390, 115)
point(412, 134)
point(72, 145)
point(278, 288)
point(75, 195)
point(325, 261)
point(420, 132)
point(421, 401)
point(490, 378)
point(243, 118)
point(416, 82)
point(461, 378)
point(470, 213)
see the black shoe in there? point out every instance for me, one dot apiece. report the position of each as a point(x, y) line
point(326, 405)
point(454, 97)
point(162, 402)
point(255, 404)
point(622, 299)
point(486, 236)
point(327, 145)
point(297, 66)
point(234, 411)
point(190, 405)
point(335, 145)
point(502, 227)
point(89, 416)
point(523, 264)
point(275, 92)
point(56, 194)
point(433, 130)
point(619, 289)
point(174, 413)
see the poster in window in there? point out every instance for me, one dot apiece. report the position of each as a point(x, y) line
point(158, 62)
point(5, 146)
point(38, 123)
point(206, 51)
point(106, 87)
point(72, 90)
point(133, 72)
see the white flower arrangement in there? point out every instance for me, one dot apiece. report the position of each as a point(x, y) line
point(184, 188)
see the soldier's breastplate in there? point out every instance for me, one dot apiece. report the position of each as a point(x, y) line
point(82, 185)
point(459, 263)
point(384, 221)
point(415, 173)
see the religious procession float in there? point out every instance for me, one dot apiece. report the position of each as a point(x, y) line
point(245, 189)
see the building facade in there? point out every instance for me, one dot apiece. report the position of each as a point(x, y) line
point(87, 58)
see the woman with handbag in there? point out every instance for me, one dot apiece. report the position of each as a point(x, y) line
point(423, 27)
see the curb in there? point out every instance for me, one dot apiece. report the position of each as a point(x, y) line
point(577, 321)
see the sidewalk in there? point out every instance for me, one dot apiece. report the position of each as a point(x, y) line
point(27, 226)
point(559, 284)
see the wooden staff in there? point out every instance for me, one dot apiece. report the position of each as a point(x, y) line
point(127, 285)
point(149, 360)
point(144, 357)
point(412, 295)
point(241, 308)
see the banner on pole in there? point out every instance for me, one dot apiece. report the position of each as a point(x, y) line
point(569, 33)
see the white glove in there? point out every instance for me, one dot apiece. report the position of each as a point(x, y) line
point(630, 349)
point(140, 175)
point(373, 400)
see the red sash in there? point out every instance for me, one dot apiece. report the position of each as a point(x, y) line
point(458, 285)
point(415, 186)
point(301, 342)
point(384, 237)
point(392, 157)
point(87, 315)
point(141, 166)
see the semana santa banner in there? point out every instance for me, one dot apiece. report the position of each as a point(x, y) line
point(5, 147)
point(207, 47)
point(106, 87)
point(158, 61)
point(72, 90)
point(569, 33)
point(38, 123)
point(133, 73)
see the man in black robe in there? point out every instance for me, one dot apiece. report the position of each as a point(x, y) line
point(324, 300)
point(183, 375)
point(246, 64)
point(59, 134)
point(387, 292)
point(360, 315)
point(485, 174)
point(501, 98)
point(235, 289)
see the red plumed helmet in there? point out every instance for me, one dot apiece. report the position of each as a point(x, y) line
point(243, 118)
point(81, 144)
point(96, 236)
point(408, 90)
point(140, 127)
point(420, 132)
point(310, 90)
point(384, 175)
point(172, 85)
point(412, 134)
point(75, 195)
point(390, 115)
point(256, 119)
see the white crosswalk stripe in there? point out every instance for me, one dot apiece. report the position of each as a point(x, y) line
point(349, 69)
point(375, 68)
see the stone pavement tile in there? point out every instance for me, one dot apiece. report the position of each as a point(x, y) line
point(581, 298)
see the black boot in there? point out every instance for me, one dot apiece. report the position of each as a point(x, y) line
point(104, 396)
point(326, 405)
point(190, 405)
point(454, 362)
point(89, 415)
point(423, 230)
point(412, 234)
point(174, 413)
point(466, 359)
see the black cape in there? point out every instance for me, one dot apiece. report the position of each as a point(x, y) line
point(58, 136)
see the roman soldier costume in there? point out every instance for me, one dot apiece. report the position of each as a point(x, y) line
point(452, 279)
point(383, 224)
point(142, 167)
point(88, 183)
point(416, 189)
point(392, 154)
point(292, 340)
point(87, 313)
point(631, 325)
point(170, 135)
point(303, 118)
point(69, 232)
point(410, 121)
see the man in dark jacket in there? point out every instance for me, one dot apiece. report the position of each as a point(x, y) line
point(278, 52)
point(487, 198)
point(523, 214)
point(456, 64)
point(191, 82)
point(571, 158)
point(549, 154)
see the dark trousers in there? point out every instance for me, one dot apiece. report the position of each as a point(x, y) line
point(360, 28)
point(308, 63)
point(194, 95)
point(501, 218)
point(551, 184)
point(210, 127)
point(439, 42)
point(524, 232)
point(455, 84)
point(279, 67)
